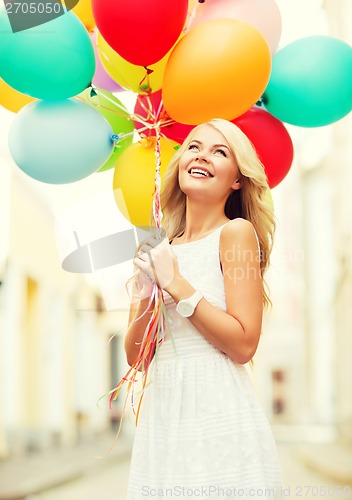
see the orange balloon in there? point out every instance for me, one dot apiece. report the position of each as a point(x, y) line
point(134, 178)
point(11, 99)
point(219, 69)
point(83, 10)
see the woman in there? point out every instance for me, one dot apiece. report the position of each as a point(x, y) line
point(201, 431)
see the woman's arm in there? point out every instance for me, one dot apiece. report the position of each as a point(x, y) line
point(236, 332)
point(136, 329)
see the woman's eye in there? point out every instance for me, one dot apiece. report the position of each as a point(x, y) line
point(221, 151)
point(193, 146)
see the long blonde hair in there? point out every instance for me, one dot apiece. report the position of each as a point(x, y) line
point(249, 202)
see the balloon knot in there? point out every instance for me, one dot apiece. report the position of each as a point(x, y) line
point(262, 101)
point(115, 139)
point(93, 93)
point(145, 87)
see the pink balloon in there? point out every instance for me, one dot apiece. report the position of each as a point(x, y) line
point(264, 15)
point(101, 78)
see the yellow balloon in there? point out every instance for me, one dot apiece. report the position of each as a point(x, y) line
point(83, 10)
point(130, 76)
point(11, 99)
point(134, 178)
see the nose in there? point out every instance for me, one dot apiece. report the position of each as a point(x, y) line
point(202, 157)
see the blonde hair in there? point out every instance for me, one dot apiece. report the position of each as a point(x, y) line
point(249, 202)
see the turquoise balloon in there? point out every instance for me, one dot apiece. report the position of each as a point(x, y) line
point(59, 142)
point(311, 82)
point(54, 60)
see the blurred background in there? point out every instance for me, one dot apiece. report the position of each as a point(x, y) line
point(61, 348)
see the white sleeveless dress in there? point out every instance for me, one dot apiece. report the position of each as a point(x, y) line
point(202, 432)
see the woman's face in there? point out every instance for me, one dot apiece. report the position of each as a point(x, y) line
point(208, 166)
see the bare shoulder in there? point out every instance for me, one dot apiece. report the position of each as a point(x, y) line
point(239, 230)
point(238, 243)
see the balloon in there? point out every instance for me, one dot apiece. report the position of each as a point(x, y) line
point(131, 77)
point(54, 60)
point(83, 10)
point(118, 117)
point(271, 140)
point(311, 82)
point(11, 99)
point(151, 110)
point(262, 14)
point(141, 32)
point(101, 78)
point(60, 142)
point(134, 178)
point(219, 69)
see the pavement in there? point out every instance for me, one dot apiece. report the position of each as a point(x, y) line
point(22, 478)
point(333, 460)
point(319, 449)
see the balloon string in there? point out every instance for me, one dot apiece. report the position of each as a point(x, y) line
point(147, 88)
point(148, 109)
point(113, 101)
point(157, 213)
point(158, 324)
point(192, 15)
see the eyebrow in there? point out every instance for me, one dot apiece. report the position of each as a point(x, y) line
point(214, 145)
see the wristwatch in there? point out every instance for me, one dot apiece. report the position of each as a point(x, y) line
point(186, 307)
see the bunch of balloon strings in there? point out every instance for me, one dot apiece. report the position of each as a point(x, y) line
point(158, 323)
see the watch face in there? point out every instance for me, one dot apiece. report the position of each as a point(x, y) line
point(185, 309)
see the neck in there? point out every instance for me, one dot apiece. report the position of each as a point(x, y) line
point(201, 218)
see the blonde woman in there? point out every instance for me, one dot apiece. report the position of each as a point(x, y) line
point(201, 430)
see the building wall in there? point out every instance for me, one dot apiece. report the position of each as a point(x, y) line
point(339, 163)
point(306, 347)
point(55, 358)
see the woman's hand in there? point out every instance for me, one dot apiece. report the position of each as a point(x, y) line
point(157, 260)
point(143, 284)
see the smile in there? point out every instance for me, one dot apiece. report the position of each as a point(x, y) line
point(199, 172)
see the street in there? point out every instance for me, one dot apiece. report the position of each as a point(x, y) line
point(110, 483)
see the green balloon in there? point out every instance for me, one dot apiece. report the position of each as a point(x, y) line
point(311, 82)
point(117, 115)
point(53, 61)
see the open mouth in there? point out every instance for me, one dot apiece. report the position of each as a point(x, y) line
point(200, 172)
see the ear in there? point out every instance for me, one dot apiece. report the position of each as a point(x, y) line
point(236, 185)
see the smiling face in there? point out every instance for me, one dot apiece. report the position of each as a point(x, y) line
point(208, 166)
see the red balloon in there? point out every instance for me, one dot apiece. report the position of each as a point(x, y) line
point(140, 31)
point(150, 108)
point(271, 140)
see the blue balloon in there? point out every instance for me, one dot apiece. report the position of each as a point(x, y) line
point(54, 60)
point(59, 142)
point(311, 82)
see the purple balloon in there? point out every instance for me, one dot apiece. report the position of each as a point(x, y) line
point(101, 78)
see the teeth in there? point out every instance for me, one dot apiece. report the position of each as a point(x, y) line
point(199, 171)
